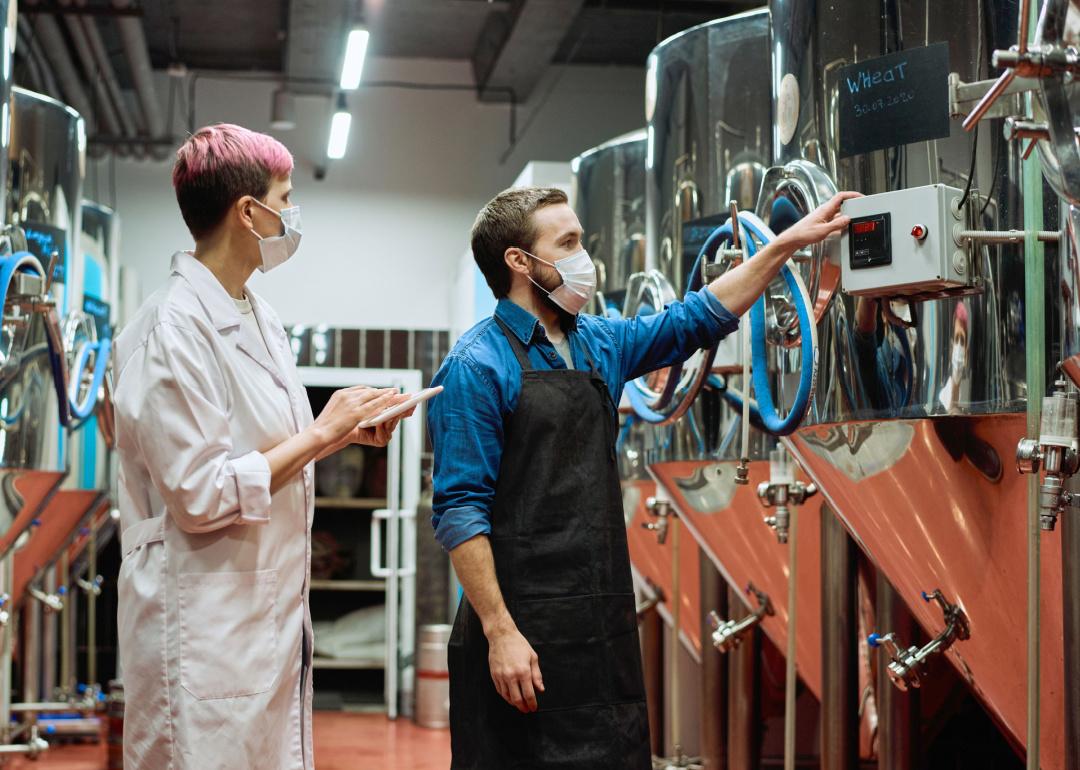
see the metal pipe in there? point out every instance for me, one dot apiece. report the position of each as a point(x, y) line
point(53, 707)
point(142, 75)
point(792, 682)
point(898, 711)
point(7, 575)
point(91, 615)
point(713, 670)
point(36, 54)
point(652, 648)
point(1035, 345)
point(67, 634)
point(839, 661)
point(105, 113)
point(744, 688)
point(1070, 565)
point(108, 73)
point(49, 644)
point(1007, 236)
point(33, 70)
point(57, 51)
point(675, 605)
point(31, 651)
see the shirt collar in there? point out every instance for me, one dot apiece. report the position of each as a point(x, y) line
point(520, 321)
point(219, 305)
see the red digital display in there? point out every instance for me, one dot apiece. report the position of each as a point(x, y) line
point(861, 228)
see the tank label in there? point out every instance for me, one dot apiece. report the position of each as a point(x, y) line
point(893, 100)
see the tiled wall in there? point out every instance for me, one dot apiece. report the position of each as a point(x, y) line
point(370, 348)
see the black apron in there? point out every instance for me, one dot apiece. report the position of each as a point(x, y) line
point(559, 541)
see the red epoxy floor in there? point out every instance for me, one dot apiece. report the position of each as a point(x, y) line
point(342, 742)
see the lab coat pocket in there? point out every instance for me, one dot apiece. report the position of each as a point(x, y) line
point(228, 633)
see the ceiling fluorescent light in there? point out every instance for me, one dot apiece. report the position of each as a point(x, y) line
point(353, 67)
point(339, 130)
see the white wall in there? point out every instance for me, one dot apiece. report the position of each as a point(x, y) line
point(384, 232)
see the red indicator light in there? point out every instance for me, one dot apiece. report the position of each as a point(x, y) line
point(861, 228)
point(918, 232)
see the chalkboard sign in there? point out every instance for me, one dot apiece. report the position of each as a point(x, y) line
point(99, 311)
point(42, 240)
point(893, 100)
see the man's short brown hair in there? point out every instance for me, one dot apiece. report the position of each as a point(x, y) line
point(507, 222)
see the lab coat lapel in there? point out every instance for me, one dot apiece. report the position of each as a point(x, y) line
point(256, 349)
point(277, 342)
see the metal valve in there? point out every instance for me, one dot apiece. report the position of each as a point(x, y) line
point(781, 492)
point(678, 762)
point(742, 471)
point(91, 586)
point(728, 634)
point(662, 510)
point(1055, 452)
point(54, 602)
point(908, 666)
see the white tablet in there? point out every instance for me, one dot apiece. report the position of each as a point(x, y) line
point(394, 411)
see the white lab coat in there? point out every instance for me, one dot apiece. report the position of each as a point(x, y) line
point(215, 632)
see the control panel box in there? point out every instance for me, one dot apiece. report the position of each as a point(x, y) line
point(905, 243)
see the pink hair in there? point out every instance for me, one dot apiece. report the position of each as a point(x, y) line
point(220, 164)
point(961, 314)
point(212, 149)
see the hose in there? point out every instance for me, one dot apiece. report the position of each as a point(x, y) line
point(83, 410)
point(765, 409)
point(25, 262)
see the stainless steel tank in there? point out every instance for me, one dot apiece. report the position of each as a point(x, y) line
point(919, 404)
point(608, 195)
point(44, 178)
point(710, 142)
point(47, 165)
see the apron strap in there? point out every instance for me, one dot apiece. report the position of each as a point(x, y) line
point(523, 357)
point(515, 344)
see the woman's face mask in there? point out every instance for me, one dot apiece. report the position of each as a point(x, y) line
point(276, 249)
point(578, 275)
point(959, 356)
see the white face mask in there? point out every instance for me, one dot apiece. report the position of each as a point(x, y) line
point(957, 361)
point(579, 281)
point(276, 249)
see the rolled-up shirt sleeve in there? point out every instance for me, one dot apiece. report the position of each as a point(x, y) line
point(650, 342)
point(466, 429)
point(177, 418)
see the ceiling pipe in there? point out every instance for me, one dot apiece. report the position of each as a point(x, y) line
point(52, 40)
point(33, 71)
point(104, 67)
point(50, 86)
point(142, 74)
point(105, 111)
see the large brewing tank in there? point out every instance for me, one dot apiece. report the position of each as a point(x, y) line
point(919, 404)
point(44, 178)
point(709, 141)
point(94, 323)
point(47, 165)
point(709, 134)
point(9, 15)
point(608, 195)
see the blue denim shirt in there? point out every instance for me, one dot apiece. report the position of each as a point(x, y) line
point(482, 378)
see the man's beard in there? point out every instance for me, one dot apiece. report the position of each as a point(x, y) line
point(566, 320)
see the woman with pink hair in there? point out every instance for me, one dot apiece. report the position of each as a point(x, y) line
point(217, 444)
